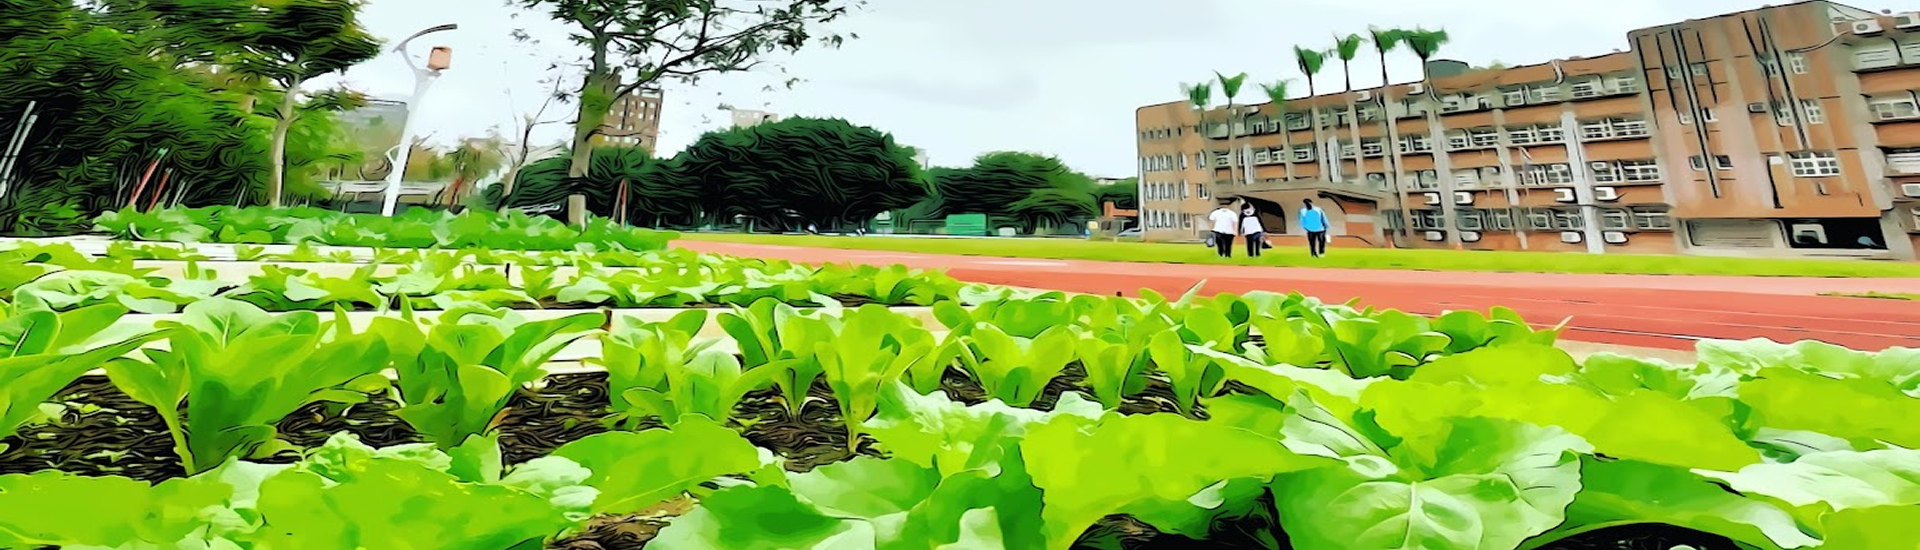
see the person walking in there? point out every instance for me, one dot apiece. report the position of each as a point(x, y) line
point(1250, 228)
point(1314, 222)
point(1225, 224)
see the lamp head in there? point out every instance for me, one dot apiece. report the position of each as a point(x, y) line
point(440, 58)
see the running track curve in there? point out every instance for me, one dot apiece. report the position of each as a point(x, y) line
point(1649, 311)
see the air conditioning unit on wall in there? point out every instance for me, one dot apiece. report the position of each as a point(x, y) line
point(1436, 236)
point(1756, 108)
point(1906, 20)
point(1433, 198)
point(1470, 236)
point(1615, 237)
point(1363, 95)
point(1910, 189)
point(1867, 26)
point(1462, 197)
point(1569, 236)
point(1417, 88)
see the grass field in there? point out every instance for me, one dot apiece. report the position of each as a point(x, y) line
point(1877, 295)
point(1433, 260)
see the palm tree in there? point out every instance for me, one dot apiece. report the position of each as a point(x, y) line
point(1384, 42)
point(1348, 47)
point(1230, 86)
point(1311, 62)
point(1277, 95)
point(1199, 96)
point(1426, 44)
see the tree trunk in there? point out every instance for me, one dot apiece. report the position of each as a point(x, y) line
point(597, 94)
point(1391, 134)
point(1353, 126)
point(277, 177)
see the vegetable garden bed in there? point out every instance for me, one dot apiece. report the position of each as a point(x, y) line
point(990, 419)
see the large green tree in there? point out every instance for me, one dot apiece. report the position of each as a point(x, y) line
point(633, 45)
point(102, 118)
point(1032, 188)
point(253, 42)
point(823, 171)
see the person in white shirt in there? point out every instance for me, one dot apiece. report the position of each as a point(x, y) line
point(1250, 228)
point(1225, 224)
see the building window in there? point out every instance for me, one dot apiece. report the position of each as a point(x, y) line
point(1797, 62)
point(1815, 165)
point(1640, 170)
point(1378, 181)
point(1625, 84)
point(1428, 219)
point(1470, 219)
point(1539, 219)
point(1514, 96)
point(1549, 134)
point(1686, 117)
point(1615, 219)
point(1502, 219)
point(1568, 219)
point(1586, 88)
point(1371, 147)
point(1485, 137)
point(1456, 140)
point(1699, 163)
point(1651, 218)
point(1706, 113)
point(1520, 136)
point(1891, 108)
point(1606, 172)
point(1723, 162)
point(1814, 114)
point(1545, 93)
point(1393, 219)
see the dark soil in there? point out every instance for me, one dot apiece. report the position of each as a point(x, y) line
point(1644, 536)
point(104, 432)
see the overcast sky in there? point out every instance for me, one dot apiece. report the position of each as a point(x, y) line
point(960, 78)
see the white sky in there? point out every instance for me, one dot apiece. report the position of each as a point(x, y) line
point(960, 78)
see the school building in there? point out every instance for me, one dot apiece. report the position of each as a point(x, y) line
point(1787, 131)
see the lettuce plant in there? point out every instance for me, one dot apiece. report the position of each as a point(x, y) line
point(456, 377)
point(232, 371)
point(659, 369)
point(872, 349)
point(1016, 369)
point(42, 352)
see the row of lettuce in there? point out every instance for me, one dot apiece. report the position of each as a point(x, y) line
point(59, 277)
point(418, 228)
point(1348, 428)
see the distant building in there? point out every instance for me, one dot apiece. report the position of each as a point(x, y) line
point(1790, 130)
point(745, 118)
point(920, 156)
point(633, 121)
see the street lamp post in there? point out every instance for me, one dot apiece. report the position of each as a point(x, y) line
point(423, 77)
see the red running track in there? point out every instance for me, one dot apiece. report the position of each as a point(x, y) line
point(1666, 312)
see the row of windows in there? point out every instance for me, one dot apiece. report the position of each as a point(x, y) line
point(1457, 140)
point(1163, 133)
point(1637, 218)
point(1174, 191)
point(1163, 163)
point(1166, 219)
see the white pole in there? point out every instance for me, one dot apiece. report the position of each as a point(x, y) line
point(422, 79)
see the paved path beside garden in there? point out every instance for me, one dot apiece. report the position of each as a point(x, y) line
point(1652, 311)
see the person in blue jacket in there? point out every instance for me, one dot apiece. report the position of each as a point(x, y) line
point(1314, 221)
